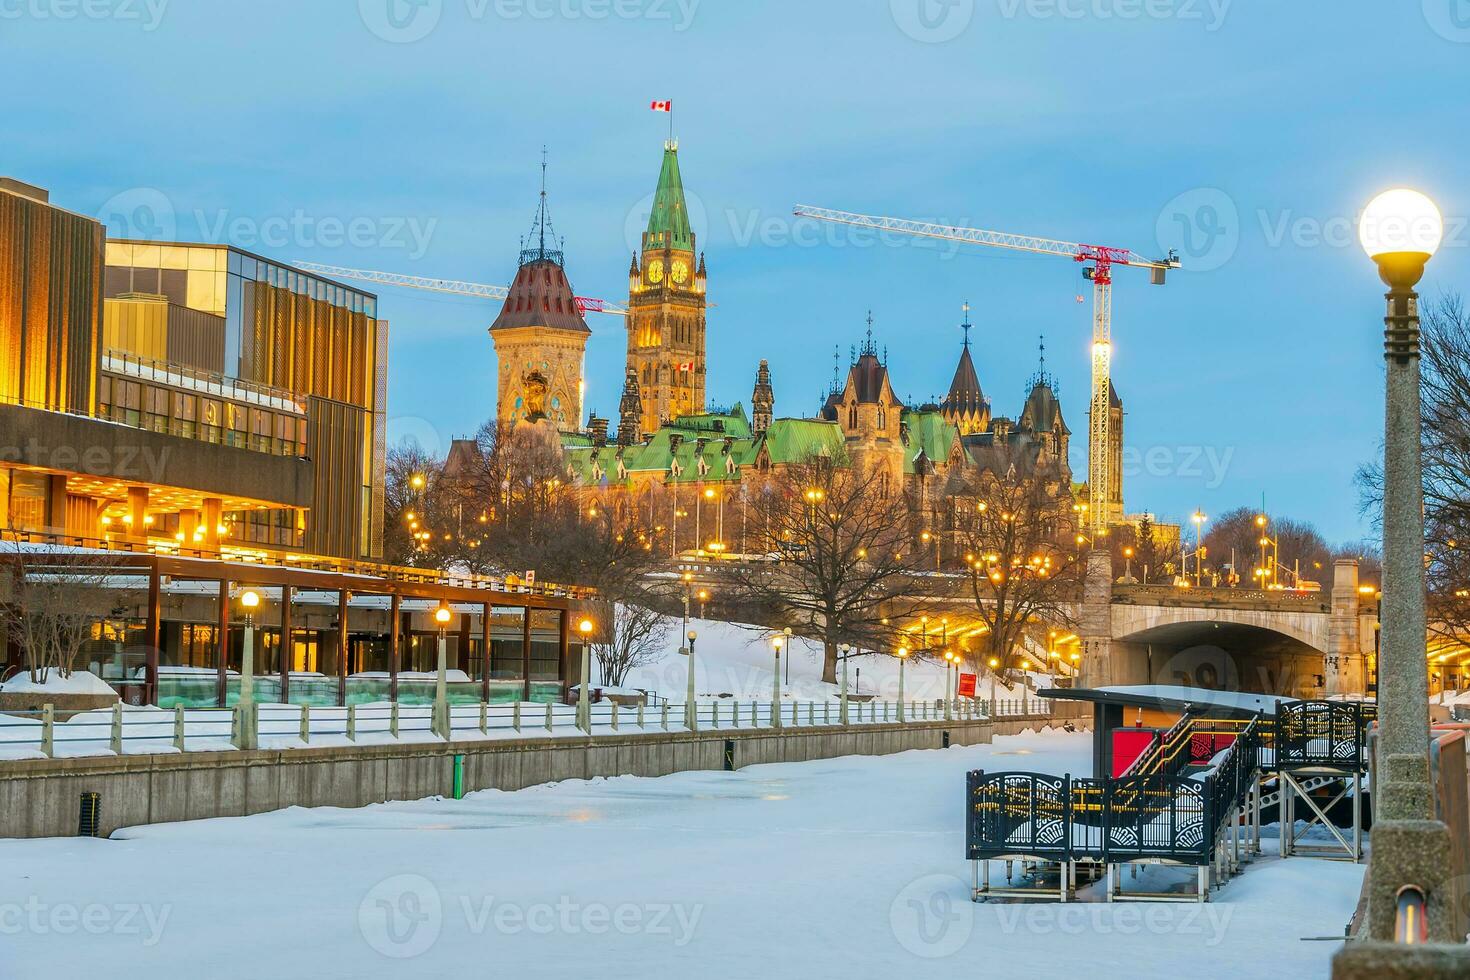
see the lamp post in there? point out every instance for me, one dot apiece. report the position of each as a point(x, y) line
point(949, 659)
point(440, 720)
point(1400, 230)
point(787, 633)
point(777, 642)
point(994, 668)
point(843, 649)
point(584, 701)
point(691, 716)
point(903, 657)
point(1199, 518)
point(249, 720)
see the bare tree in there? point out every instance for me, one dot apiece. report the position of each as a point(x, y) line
point(52, 603)
point(636, 638)
point(1023, 552)
point(412, 506)
point(842, 555)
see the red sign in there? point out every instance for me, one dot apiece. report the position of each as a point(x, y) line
point(967, 686)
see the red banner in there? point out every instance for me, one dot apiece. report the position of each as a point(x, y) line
point(967, 686)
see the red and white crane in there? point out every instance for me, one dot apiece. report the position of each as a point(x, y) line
point(452, 286)
point(1098, 262)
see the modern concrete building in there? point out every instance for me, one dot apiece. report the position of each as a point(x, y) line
point(207, 420)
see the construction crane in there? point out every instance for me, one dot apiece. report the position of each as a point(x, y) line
point(1098, 262)
point(451, 286)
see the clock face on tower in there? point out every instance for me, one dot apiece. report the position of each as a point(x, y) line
point(681, 271)
point(656, 271)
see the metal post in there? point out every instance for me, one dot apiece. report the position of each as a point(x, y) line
point(179, 727)
point(117, 728)
point(776, 690)
point(306, 723)
point(515, 716)
point(393, 719)
point(485, 718)
point(352, 723)
point(48, 730)
point(550, 717)
point(901, 662)
point(342, 597)
point(664, 719)
point(614, 715)
point(842, 710)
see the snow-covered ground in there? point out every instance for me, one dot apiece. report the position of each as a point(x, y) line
point(849, 867)
point(737, 660)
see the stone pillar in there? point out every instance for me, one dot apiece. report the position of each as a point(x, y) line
point(1095, 625)
point(138, 513)
point(1343, 660)
point(213, 513)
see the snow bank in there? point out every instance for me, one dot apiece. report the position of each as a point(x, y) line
point(80, 682)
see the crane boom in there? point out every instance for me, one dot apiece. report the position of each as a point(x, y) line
point(1102, 475)
point(452, 286)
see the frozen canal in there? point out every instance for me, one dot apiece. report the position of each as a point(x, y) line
point(846, 868)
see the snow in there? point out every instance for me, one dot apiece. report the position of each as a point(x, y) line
point(1241, 700)
point(738, 661)
point(848, 867)
point(80, 682)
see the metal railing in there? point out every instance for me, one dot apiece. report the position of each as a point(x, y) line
point(127, 730)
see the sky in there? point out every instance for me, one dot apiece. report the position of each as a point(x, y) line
point(406, 136)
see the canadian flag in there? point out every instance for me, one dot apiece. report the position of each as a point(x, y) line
point(687, 366)
point(662, 106)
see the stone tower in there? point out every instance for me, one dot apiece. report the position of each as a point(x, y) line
point(540, 338)
point(762, 401)
point(1115, 455)
point(630, 411)
point(666, 306)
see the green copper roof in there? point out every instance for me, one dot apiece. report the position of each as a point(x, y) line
point(733, 423)
point(928, 433)
point(668, 222)
point(795, 440)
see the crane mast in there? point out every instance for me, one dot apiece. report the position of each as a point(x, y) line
point(1102, 479)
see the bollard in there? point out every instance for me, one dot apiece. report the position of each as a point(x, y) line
point(352, 723)
point(48, 730)
point(117, 732)
point(306, 723)
point(549, 719)
point(515, 715)
point(393, 720)
point(179, 727)
point(666, 716)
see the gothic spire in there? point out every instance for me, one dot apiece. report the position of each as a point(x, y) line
point(533, 246)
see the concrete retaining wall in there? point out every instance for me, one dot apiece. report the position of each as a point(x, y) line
point(40, 798)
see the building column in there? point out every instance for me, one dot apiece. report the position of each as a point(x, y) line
point(342, 646)
point(526, 655)
point(1095, 626)
point(137, 523)
point(287, 646)
point(221, 646)
point(564, 653)
point(486, 621)
point(153, 636)
point(212, 517)
point(189, 524)
point(1343, 661)
point(395, 615)
point(56, 495)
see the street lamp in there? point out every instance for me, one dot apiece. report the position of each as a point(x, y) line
point(440, 720)
point(691, 717)
point(994, 668)
point(949, 663)
point(1400, 230)
point(903, 656)
point(1199, 519)
point(584, 701)
point(842, 649)
point(249, 728)
point(777, 642)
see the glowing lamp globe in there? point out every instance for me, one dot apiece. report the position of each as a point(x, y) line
point(250, 600)
point(1400, 230)
point(442, 615)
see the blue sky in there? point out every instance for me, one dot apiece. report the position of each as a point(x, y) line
point(405, 135)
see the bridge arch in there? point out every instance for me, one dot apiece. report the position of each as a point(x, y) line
point(1253, 650)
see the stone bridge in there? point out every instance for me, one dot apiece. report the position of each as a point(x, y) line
point(1301, 644)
